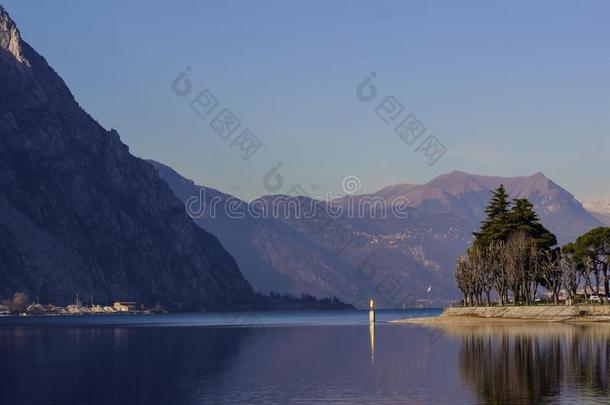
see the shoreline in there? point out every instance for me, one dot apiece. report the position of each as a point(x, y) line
point(517, 314)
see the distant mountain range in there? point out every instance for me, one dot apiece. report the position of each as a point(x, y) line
point(599, 209)
point(407, 260)
point(80, 215)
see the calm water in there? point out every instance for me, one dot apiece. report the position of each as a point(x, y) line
point(302, 357)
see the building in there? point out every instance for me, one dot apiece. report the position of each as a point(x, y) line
point(124, 306)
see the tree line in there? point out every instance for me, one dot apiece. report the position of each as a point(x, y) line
point(513, 256)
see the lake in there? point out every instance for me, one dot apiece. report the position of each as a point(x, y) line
point(297, 357)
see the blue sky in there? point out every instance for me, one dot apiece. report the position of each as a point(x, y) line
point(509, 89)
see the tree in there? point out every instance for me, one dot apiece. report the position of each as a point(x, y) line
point(487, 259)
point(569, 274)
point(478, 270)
point(513, 251)
point(593, 251)
point(19, 303)
point(495, 225)
point(498, 205)
point(503, 220)
point(462, 278)
point(497, 264)
point(586, 269)
point(519, 251)
point(523, 218)
point(471, 279)
point(551, 272)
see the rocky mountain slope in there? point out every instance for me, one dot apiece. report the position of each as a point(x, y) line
point(405, 259)
point(80, 215)
point(273, 255)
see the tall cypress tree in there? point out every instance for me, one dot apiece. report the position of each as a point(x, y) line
point(495, 225)
point(504, 219)
point(498, 205)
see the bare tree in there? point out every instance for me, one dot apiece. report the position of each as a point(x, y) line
point(585, 270)
point(517, 250)
point(551, 273)
point(569, 275)
point(488, 276)
point(521, 264)
point(496, 269)
point(477, 268)
point(462, 278)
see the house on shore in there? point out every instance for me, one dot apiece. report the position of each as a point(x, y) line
point(124, 306)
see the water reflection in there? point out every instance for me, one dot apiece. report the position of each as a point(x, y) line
point(326, 363)
point(341, 364)
point(535, 363)
point(112, 365)
point(372, 338)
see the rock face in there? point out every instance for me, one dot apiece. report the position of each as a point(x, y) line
point(10, 40)
point(405, 260)
point(80, 215)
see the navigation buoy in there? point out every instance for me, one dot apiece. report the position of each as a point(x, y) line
point(372, 311)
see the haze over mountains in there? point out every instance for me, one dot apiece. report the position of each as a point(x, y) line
point(80, 215)
point(599, 209)
point(400, 261)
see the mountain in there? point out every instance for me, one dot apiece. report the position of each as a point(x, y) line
point(599, 209)
point(272, 255)
point(80, 215)
point(466, 196)
point(405, 259)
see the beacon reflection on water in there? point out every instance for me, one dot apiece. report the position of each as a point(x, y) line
point(372, 329)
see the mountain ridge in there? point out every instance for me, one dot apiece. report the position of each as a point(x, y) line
point(413, 253)
point(79, 215)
